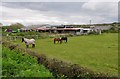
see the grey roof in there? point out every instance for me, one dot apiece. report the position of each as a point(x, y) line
point(102, 27)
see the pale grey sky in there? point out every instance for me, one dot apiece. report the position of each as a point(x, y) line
point(59, 12)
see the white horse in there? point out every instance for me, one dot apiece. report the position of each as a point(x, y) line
point(28, 42)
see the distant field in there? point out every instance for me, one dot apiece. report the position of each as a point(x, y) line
point(96, 52)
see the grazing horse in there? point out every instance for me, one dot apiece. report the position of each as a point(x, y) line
point(57, 39)
point(64, 38)
point(28, 42)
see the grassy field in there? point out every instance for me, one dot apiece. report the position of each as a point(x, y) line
point(96, 52)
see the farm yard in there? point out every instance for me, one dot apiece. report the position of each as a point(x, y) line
point(96, 52)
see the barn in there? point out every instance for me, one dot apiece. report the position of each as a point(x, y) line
point(63, 29)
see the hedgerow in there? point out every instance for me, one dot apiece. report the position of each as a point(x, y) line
point(16, 64)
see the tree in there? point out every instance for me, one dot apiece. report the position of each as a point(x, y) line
point(16, 26)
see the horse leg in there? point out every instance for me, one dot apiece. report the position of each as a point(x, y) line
point(27, 46)
point(66, 40)
point(33, 45)
point(54, 41)
point(60, 41)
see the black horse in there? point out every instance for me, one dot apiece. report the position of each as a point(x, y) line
point(64, 39)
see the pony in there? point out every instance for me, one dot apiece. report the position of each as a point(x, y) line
point(64, 38)
point(57, 39)
point(28, 42)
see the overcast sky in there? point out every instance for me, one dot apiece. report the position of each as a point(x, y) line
point(58, 12)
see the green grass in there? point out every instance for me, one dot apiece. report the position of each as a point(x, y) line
point(15, 64)
point(96, 52)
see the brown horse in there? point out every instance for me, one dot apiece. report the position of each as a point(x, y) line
point(57, 39)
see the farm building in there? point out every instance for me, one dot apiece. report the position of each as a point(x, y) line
point(68, 29)
point(42, 29)
point(63, 29)
point(72, 29)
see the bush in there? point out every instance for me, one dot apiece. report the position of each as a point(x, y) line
point(15, 64)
